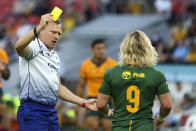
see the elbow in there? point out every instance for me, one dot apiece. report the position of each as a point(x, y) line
point(16, 46)
point(167, 106)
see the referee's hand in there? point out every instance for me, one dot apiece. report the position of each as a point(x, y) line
point(91, 104)
point(43, 22)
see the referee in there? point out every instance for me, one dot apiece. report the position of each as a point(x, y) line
point(39, 67)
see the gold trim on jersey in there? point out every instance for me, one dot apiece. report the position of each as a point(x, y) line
point(130, 125)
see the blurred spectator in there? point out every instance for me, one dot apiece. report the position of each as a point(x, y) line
point(24, 28)
point(192, 30)
point(91, 10)
point(4, 74)
point(180, 52)
point(2, 30)
point(24, 7)
point(136, 6)
point(179, 32)
point(163, 6)
point(160, 47)
point(178, 95)
point(42, 7)
point(191, 58)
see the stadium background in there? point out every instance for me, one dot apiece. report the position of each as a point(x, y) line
point(170, 24)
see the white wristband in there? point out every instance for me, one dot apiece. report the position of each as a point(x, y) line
point(110, 112)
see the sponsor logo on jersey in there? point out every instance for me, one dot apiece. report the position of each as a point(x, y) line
point(126, 75)
point(140, 75)
point(52, 68)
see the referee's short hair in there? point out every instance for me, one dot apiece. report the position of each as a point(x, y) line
point(97, 41)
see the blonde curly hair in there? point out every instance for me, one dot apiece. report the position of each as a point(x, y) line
point(136, 48)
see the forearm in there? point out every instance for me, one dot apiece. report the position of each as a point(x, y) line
point(67, 95)
point(24, 41)
point(164, 112)
point(104, 110)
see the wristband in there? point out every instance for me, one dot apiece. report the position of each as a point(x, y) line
point(35, 33)
point(84, 104)
point(109, 112)
point(160, 118)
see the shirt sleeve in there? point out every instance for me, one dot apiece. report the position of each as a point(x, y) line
point(33, 50)
point(83, 73)
point(106, 85)
point(163, 86)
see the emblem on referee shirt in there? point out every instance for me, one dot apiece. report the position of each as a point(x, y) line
point(126, 75)
point(52, 68)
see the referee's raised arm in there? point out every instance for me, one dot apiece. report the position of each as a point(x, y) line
point(21, 45)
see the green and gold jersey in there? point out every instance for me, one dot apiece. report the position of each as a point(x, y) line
point(133, 90)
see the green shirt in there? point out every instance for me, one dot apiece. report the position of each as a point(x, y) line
point(133, 90)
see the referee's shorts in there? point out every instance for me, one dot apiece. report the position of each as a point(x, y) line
point(37, 117)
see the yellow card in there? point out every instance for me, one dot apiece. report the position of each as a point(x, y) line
point(56, 12)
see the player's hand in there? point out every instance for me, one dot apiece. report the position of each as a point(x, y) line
point(43, 22)
point(111, 112)
point(157, 123)
point(91, 104)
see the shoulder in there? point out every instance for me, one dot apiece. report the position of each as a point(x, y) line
point(34, 45)
point(113, 69)
point(158, 73)
point(86, 62)
point(109, 59)
point(111, 62)
point(111, 73)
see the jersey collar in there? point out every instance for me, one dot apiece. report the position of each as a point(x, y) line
point(98, 63)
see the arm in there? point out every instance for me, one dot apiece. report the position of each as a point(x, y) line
point(67, 95)
point(81, 87)
point(102, 105)
point(21, 45)
point(166, 106)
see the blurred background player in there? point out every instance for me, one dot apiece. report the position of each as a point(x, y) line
point(91, 73)
point(133, 85)
point(4, 74)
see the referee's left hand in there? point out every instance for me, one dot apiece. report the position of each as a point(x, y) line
point(91, 104)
